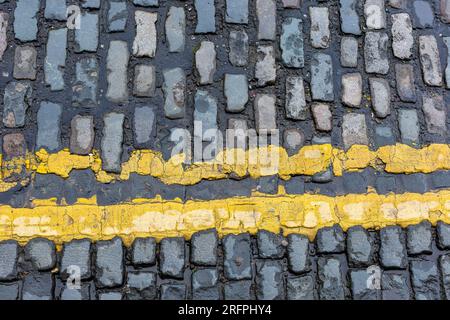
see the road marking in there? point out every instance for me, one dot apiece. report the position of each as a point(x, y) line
point(309, 160)
point(160, 218)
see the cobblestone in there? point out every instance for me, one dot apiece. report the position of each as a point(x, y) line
point(55, 61)
point(352, 89)
point(375, 52)
point(144, 123)
point(204, 284)
point(174, 92)
point(144, 251)
point(409, 126)
point(322, 116)
point(144, 44)
point(296, 107)
point(265, 113)
point(77, 253)
point(360, 290)
point(266, 13)
point(354, 130)
point(37, 286)
point(238, 290)
point(265, 70)
point(206, 21)
point(109, 263)
point(204, 248)
point(349, 17)
point(176, 29)
point(430, 60)
point(443, 235)
point(425, 280)
point(349, 52)
point(117, 16)
point(392, 248)
point(116, 65)
point(86, 38)
point(142, 285)
point(25, 63)
point(25, 20)
point(236, 92)
point(144, 80)
point(85, 84)
point(360, 247)
point(435, 114)
point(16, 100)
point(172, 256)
point(49, 126)
point(41, 253)
point(321, 77)
point(331, 285)
point(406, 88)
point(82, 136)
point(9, 251)
point(291, 43)
point(237, 257)
point(298, 251)
point(269, 280)
point(238, 43)
point(320, 30)
point(112, 141)
point(205, 61)
point(237, 11)
point(381, 97)
point(402, 36)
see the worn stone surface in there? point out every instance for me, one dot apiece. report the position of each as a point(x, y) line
point(204, 248)
point(381, 96)
point(447, 69)
point(172, 257)
point(86, 37)
point(176, 29)
point(238, 290)
point(4, 17)
point(9, 291)
point(435, 112)
point(425, 280)
point(37, 286)
point(291, 43)
point(322, 77)
point(430, 60)
point(349, 17)
point(296, 107)
point(205, 116)
point(393, 248)
point(402, 36)
point(55, 61)
point(424, 15)
point(84, 87)
point(144, 80)
point(236, 92)
point(206, 21)
point(270, 245)
point(144, 251)
point(49, 126)
point(265, 70)
point(25, 20)
point(298, 253)
point(42, 254)
point(55, 9)
point(320, 30)
point(354, 130)
point(419, 239)
point(173, 292)
point(360, 290)
point(349, 52)
point(443, 235)
point(14, 145)
point(375, 14)
point(269, 280)
point(82, 134)
point(409, 126)
point(116, 66)
point(238, 43)
point(301, 288)
point(205, 62)
point(330, 240)
point(237, 257)
point(375, 52)
point(352, 89)
point(266, 15)
point(144, 123)
point(265, 113)
point(25, 63)
point(204, 284)
point(142, 285)
point(322, 116)
point(444, 264)
point(109, 263)
point(144, 44)
point(174, 86)
point(77, 253)
point(9, 251)
point(117, 16)
point(395, 286)
point(360, 247)
point(405, 79)
point(331, 285)
point(16, 101)
point(112, 141)
point(236, 11)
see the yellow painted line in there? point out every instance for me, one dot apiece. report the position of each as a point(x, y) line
point(309, 160)
point(160, 218)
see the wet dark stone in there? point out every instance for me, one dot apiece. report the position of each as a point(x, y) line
point(393, 248)
point(301, 288)
point(237, 257)
point(238, 290)
point(298, 253)
point(330, 240)
point(9, 291)
point(359, 284)
point(142, 285)
point(76, 253)
point(269, 280)
point(270, 245)
point(443, 235)
point(204, 284)
point(425, 280)
point(360, 247)
point(9, 251)
point(204, 248)
point(144, 251)
point(419, 238)
point(42, 254)
point(172, 257)
point(395, 285)
point(331, 281)
point(38, 286)
point(109, 263)
point(171, 291)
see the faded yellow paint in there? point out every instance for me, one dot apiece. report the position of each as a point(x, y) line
point(159, 218)
point(254, 163)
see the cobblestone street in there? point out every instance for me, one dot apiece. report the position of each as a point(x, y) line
point(121, 121)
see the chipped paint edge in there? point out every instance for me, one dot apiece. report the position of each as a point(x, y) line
point(159, 218)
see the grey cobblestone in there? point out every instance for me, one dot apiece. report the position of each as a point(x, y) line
point(112, 141)
point(109, 263)
point(25, 63)
point(425, 280)
point(172, 256)
point(49, 126)
point(41, 253)
point(144, 251)
point(16, 100)
point(55, 61)
point(204, 248)
point(9, 251)
point(331, 285)
point(393, 248)
point(291, 43)
point(269, 280)
point(176, 29)
point(204, 284)
point(237, 257)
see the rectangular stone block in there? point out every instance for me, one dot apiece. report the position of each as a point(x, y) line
point(174, 93)
point(84, 87)
point(111, 144)
point(116, 71)
point(25, 20)
point(322, 77)
point(86, 37)
point(266, 13)
point(237, 11)
point(296, 107)
point(55, 61)
point(291, 43)
point(430, 60)
point(144, 44)
point(206, 16)
point(265, 113)
point(49, 127)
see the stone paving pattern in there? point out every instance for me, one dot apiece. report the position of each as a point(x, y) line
point(342, 72)
point(413, 263)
